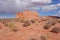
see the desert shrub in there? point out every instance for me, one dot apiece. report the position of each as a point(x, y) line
point(47, 26)
point(50, 22)
point(10, 24)
point(55, 30)
point(39, 38)
point(26, 23)
point(32, 21)
point(39, 21)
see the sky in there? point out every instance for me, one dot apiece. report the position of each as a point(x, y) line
point(8, 8)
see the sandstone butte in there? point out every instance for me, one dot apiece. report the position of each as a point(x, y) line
point(27, 14)
point(37, 28)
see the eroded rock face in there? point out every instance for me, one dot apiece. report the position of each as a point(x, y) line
point(27, 14)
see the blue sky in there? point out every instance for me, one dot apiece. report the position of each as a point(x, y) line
point(8, 8)
point(51, 12)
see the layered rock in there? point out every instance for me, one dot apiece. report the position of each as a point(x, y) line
point(27, 14)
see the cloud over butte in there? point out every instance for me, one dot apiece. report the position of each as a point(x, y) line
point(18, 5)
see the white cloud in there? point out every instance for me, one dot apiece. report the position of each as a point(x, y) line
point(34, 8)
point(43, 1)
point(51, 7)
point(17, 5)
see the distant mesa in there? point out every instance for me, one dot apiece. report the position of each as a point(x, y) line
point(27, 14)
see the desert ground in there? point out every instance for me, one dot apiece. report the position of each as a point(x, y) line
point(29, 25)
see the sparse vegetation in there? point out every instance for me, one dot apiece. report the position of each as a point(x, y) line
point(39, 38)
point(50, 22)
point(26, 23)
point(55, 30)
point(12, 26)
point(9, 24)
point(32, 21)
point(47, 26)
point(39, 22)
point(19, 20)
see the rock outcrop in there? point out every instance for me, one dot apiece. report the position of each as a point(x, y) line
point(27, 14)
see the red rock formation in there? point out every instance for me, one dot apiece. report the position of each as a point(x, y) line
point(27, 14)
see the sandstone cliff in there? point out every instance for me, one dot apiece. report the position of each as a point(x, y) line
point(27, 14)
